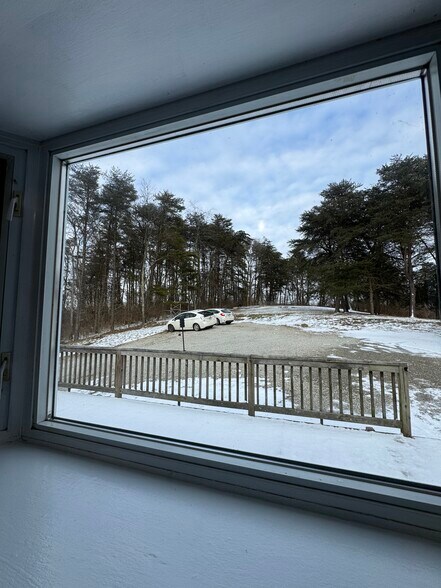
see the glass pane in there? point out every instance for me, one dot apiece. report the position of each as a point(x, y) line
point(315, 227)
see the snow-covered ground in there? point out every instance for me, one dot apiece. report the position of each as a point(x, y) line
point(417, 459)
point(425, 422)
point(122, 337)
point(208, 388)
point(417, 336)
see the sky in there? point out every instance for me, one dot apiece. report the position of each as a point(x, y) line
point(264, 173)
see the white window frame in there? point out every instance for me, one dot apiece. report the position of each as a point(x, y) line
point(24, 155)
point(391, 503)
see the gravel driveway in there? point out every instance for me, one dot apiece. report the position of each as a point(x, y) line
point(247, 338)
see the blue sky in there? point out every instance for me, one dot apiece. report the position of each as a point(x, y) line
point(264, 173)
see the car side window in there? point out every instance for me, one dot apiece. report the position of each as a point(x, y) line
point(190, 315)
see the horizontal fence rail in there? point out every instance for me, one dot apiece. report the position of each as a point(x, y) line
point(366, 393)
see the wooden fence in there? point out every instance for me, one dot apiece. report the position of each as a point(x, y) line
point(367, 393)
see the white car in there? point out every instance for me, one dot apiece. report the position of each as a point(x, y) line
point(193, 320)
point(223, 315)
point(209, 314)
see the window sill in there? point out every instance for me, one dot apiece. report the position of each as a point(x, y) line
point(403, 506)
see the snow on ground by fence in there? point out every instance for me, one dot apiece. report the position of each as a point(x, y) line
point(376, 453)
point(207, 388)
point(424, 423)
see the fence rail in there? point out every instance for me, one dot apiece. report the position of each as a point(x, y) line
point(367, 393)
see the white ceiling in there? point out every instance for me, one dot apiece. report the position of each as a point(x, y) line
point(65, 64)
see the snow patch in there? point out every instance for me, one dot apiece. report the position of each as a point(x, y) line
point(125, 337)
point(417, 336)
point(390, 455)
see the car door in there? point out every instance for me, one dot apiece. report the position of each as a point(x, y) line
point(189, 319)
point(177, 320)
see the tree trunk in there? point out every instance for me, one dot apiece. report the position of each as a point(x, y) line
point(113, 290)
point(407, 254)
point(143, 289)
point(371, 297)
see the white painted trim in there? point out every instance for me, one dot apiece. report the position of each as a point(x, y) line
point(432, 99)
point(353, 65)
point(25, 166)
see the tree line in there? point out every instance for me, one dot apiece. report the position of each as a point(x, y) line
point(132, 254)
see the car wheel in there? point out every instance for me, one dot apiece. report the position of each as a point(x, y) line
point(170, 328)
point(196, 327)
point(218, 321)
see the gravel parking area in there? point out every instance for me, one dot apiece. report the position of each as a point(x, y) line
point(246, 338)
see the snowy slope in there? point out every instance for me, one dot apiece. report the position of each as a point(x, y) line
point(419, 336)
point(125, 337)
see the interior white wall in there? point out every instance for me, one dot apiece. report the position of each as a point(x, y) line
point(72, 521)
point(65, 64)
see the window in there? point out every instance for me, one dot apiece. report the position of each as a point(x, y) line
point(251, 378)
point(308, 221)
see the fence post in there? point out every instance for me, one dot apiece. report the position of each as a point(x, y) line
point(403, 391)
point(251, 383)
point(118, 374)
